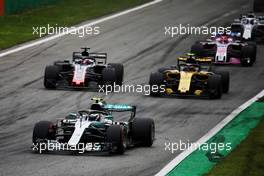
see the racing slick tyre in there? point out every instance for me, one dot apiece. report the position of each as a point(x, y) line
point(225, 76)
point(109, 76)
point(143, 131)
point(258, 34)
point(155, 80)
point(115, 136)
point(42, 131)
point(197, 49)
point(119, 70)
point(249, 53)
point(215, 86)
point(51, 77)
point(258, 6)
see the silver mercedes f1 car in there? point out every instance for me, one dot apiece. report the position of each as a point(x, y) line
point(94, 130)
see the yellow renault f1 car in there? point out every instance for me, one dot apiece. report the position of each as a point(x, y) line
point(192, 76)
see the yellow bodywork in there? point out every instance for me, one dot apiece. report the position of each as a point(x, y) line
point(201, 59)
point(185, 81)
point(169, 91)
point(185, 77)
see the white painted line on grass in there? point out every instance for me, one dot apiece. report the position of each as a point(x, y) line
point(46, 39)
point(208, 135)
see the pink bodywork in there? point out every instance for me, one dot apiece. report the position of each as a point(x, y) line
point(233, 61)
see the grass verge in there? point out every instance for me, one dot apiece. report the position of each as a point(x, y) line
point(246, 159)
point(18, 28)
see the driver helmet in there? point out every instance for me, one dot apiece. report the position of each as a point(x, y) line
point(94, 117)
point(78, 60)
point(87, 61)
point(190, 67)
point(191, 58)
point(224, 38)
point(251, 15)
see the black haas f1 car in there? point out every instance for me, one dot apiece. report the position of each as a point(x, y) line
point(226, 49)
point(84, 68)
point(249, 27)
point(192, 76)
point(95, 130)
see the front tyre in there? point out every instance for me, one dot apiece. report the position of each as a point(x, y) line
point(51, 77)
point(156, 79)
point(248, 55)
point(215, 86)
point(225, 76)
point(43, 131)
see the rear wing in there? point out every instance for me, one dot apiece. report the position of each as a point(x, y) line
point(99, 102)
point(121, 108)
point(100, 58)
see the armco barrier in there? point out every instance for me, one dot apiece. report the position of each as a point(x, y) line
point(8, 7)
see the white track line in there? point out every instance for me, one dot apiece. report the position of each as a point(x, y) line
point(208, 135)
point(46, 39)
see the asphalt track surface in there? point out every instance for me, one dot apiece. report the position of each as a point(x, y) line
point(137, 40)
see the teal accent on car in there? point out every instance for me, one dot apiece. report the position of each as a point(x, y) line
point(123, 107)
point(109, 117)
point(97, 125)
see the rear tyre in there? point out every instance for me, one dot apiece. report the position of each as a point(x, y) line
point(225, 76)
point(258, 34)
point(119, 70)
point(51, 77)
point(155, 80)
point(215, 86)
point(109, 76)
point(258, 6)
point(248, 55)
point(143, 131)
point(115, 136)
point(197, 49)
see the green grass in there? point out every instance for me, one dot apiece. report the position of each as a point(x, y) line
point(18, 28)
point(247, 159)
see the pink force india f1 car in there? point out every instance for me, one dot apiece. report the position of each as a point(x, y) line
point(226, 49)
